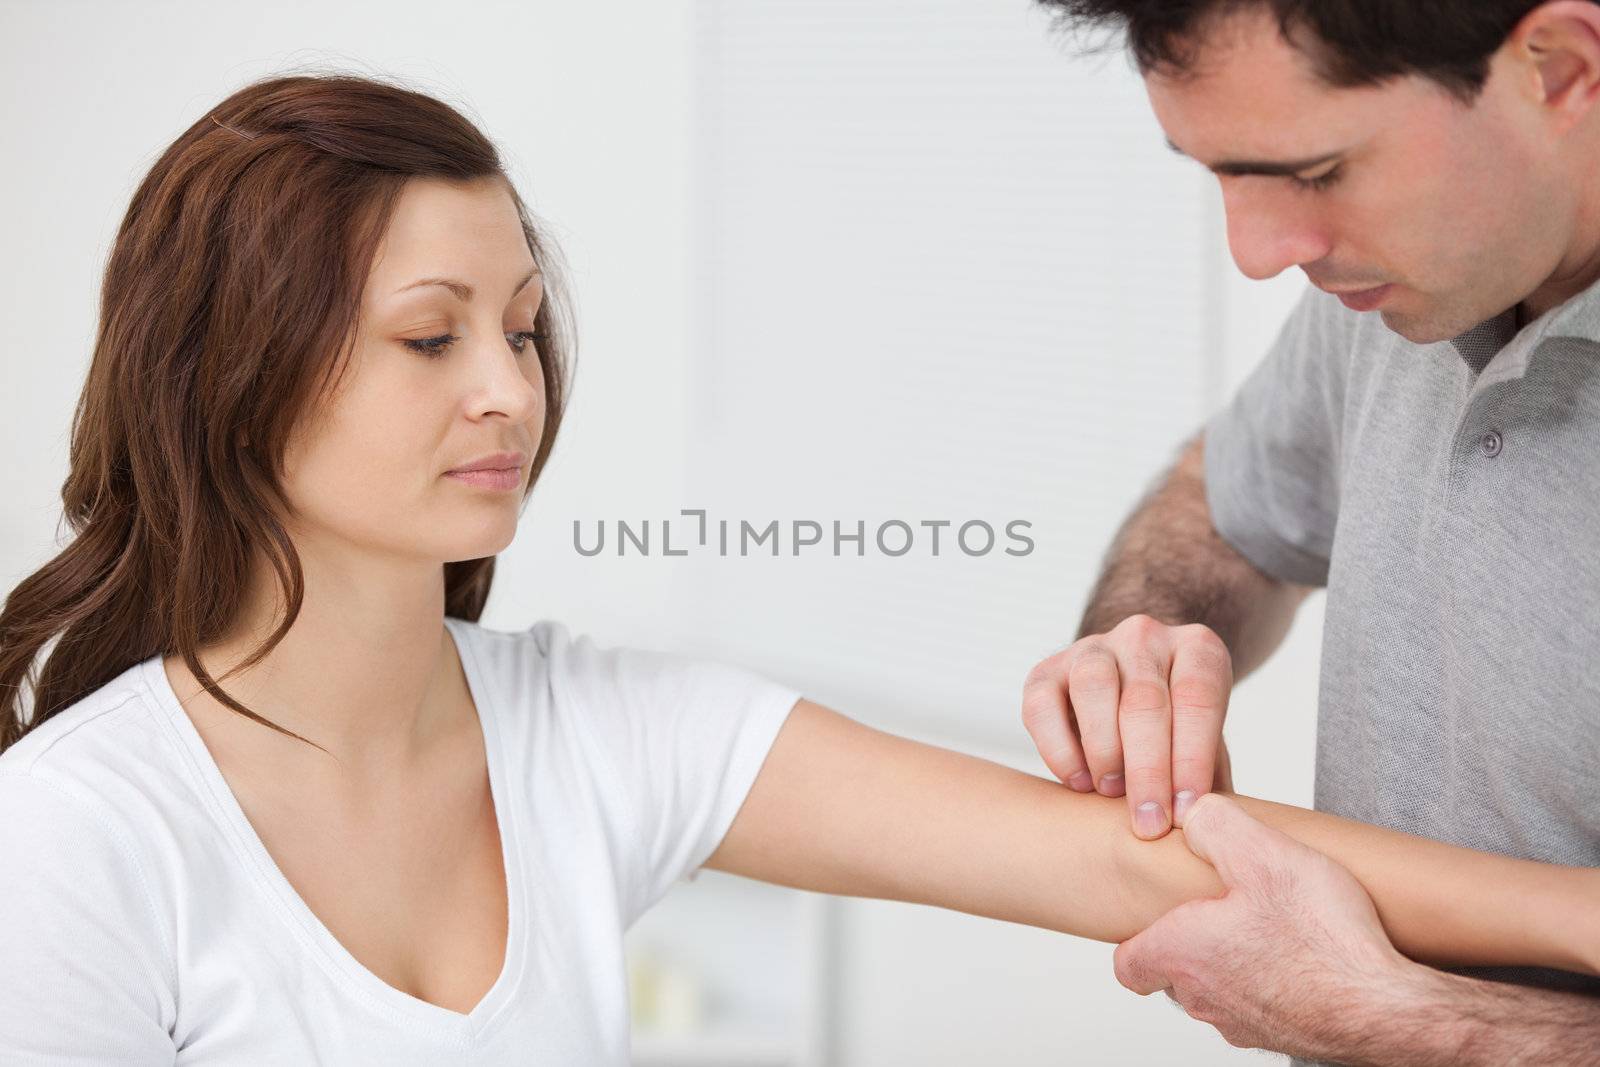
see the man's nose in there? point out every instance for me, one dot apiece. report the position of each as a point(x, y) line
point(1271, 229)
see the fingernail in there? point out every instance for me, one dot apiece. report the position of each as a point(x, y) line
point(1111, 784)
point(1181, 804)
point(1081, 781)
point(1149, 819)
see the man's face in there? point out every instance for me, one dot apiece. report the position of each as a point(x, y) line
point(1457, 209)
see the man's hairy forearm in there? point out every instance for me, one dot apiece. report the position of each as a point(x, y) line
point(1453, 1021)
point(1169, 562)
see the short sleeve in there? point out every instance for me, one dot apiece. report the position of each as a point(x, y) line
point(1272, 453)
point(685, 739)
point(83, 973)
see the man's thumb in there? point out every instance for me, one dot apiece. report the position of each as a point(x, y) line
point(1223, 834)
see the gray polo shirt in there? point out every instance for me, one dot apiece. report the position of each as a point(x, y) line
point(1448, 497)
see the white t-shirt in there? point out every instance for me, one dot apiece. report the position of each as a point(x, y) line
point(145, 923)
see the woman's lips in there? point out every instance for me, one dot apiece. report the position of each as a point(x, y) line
point(508, 478)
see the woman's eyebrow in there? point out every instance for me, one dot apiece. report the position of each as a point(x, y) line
point(462, 290)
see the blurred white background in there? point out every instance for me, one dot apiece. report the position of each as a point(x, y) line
point(851, 260)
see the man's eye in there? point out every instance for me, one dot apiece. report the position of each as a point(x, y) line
point(1321, 181)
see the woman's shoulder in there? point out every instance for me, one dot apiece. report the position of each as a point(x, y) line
point(549, 660)
point(70, 811)
point(98, 784)
point(537, 638)
point(545, 638)
point(105, 729)
point(634, 697)
point(546, 657)
point(91, 923)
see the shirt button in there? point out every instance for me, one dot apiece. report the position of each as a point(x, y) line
point(1491, 443)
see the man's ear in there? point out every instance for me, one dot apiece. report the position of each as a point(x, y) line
point(1558, 43)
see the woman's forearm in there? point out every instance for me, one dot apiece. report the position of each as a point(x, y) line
point(842, 808)
point(1439, 903)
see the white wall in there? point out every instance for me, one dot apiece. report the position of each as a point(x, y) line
point(835, 259)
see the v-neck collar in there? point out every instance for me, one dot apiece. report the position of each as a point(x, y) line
point(331, 953)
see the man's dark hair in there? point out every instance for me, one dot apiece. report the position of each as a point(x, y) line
point(1350, 42)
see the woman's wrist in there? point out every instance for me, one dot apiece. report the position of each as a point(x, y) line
point(1587, 908)
point(1159, 875)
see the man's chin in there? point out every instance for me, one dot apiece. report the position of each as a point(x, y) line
point(1406, 326)
point(1421, 330)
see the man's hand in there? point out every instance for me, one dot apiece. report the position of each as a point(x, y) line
point(1290, 958)
point(1137, 711)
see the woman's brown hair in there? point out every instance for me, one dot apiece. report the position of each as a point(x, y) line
point(229, 308)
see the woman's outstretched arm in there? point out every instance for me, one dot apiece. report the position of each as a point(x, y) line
point(842, 808)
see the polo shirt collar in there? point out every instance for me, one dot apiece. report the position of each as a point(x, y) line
point(1498, 351)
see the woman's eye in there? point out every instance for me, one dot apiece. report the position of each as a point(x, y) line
point(435, 346)
point(430, 346)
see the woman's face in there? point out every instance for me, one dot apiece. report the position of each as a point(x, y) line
point(368, 470)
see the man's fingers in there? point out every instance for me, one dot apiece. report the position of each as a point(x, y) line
point(1144, 718)
point(1093, 685)
point(1136, 712)
point(1202, 675)
point(1220, 832)
point(1044, 713)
